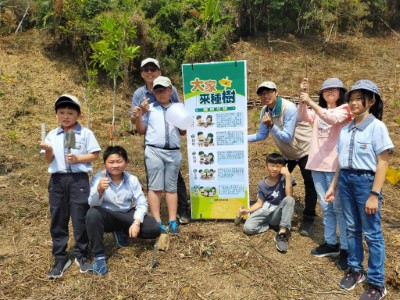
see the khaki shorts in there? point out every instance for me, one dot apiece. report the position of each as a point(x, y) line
point(162, 168)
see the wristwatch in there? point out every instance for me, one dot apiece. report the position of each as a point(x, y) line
point(374, 193)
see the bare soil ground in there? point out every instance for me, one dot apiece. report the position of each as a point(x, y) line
point(211, 259)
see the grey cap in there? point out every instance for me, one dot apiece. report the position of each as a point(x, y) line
point(161, 81)
point(331, 83)
point(67, 99)
point(364, 84)
point(149, 60)
point(377, 108)
point(266, 85)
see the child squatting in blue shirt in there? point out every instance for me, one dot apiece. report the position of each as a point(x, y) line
point(117, 203)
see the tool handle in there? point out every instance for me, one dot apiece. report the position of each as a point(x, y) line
point(43, 131)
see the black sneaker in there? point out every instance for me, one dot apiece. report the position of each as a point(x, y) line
point(274, 227)
point(350, 279)
point(374, 292)
point(60, 265)
point(84, 264)
point(281, 240)
point(326, 250)
point(183, 217)
point(306, 229)
point(342, 264)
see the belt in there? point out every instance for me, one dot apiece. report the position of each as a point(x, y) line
point(357, 172)
point(165, 148)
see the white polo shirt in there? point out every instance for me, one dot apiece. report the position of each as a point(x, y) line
point(160, 133)
point(85, 143)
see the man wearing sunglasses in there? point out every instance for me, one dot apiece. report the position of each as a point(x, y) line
point(150, 70)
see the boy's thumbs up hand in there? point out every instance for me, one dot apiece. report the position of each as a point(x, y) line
point(104, 182)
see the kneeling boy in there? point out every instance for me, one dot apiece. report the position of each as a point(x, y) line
point(275, 204)
point(112, 193)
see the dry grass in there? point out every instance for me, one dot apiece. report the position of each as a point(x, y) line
point(211, 259)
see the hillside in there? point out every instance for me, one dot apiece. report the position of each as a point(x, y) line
point(211, 259)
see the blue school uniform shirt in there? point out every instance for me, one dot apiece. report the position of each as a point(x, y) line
point(143, 92)
point(85, 143)
point(273, 194)
point(358, 146)
point(120, 197)
point(159, 132)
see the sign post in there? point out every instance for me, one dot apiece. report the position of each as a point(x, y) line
point(216, 96)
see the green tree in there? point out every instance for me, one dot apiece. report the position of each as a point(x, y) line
point(186, 31)
point(112, 52)
point(306, 17)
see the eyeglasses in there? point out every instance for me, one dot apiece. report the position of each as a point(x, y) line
point(152, 70)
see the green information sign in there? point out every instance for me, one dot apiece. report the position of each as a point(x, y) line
point(215, 94)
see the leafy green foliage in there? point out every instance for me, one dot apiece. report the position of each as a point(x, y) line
point(113, 51)
point(12, 136)
point(42, 13)
point(322, 16)
point(189, 31)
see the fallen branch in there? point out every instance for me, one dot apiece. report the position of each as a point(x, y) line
point(390, 27)
point(23, 17)
point(394, 226)
point(337, 292)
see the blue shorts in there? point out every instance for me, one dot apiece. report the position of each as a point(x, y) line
point(162, 168)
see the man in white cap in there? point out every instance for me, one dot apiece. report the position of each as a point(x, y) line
point(279, 118)
point(150, 70)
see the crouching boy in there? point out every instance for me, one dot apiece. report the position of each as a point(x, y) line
point(117, 205)
point(275, 204)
